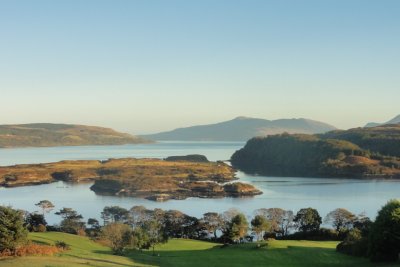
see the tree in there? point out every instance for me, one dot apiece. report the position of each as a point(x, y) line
point(238, 227)
point(384, 237)
point(72, 221)
point(94, 223)
point(178, 224)
point(139, 214)
point(45, 205)
point(212, 222)
point(280, 220)
point(287, 222)
point(155, 233)
point(12, 230)
point(341, 219)
point(307, 220)
point(140, 239)
point(259, 225)
point(115, 214)
point(35, 221)
point(118, 236)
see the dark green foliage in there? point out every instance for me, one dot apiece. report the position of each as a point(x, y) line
point(308, 220)
point(383, 139)
point(115, 214)
point(118, 235)
point(140, 239)
point(311, 156)
point(63, 245)
point(190, 158)
point(300, 155)
point(355, 244)
point(12, 230)
point(322, 234)
point(384, 237)
point(238, 228)
point(177, 224)
point(72, 221)
point(34, 221)
point(260, 225)
point(155, 234)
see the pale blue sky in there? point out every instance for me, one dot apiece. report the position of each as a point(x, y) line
point(147, 66)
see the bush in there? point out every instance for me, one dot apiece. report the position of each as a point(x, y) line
point(354, 244)
point(40, 228)
point(31, 250)
point(384, 241)
point(12, 231)
point(62, 245)
point(81, 232)
point(117, 235)
point(322, 234)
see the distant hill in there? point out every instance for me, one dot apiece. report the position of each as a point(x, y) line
point(242, 129)
point(48, 134)
point(395, 120)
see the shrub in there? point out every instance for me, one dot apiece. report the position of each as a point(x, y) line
point(384, 241)
point(40, 228)
point(12, 231)
point(31, 250)
point(354, 244)
point(322, 234)
point(62, 245)
point(81, 232)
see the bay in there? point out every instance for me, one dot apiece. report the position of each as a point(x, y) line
point(285, 192)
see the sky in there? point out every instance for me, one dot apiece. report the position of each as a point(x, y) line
point(148, 66)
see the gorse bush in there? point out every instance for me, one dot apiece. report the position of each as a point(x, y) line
point(12, 231)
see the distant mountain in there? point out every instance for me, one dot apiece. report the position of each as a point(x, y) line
point(49, 134)
point(395, 120)
point(242, 129)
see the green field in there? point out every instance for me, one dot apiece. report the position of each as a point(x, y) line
point(180, 252)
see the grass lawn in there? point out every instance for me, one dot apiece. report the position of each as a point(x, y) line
point(178, 252)
point(83, 252)
point(191, 253)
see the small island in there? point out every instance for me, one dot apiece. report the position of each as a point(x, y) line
point(153, 179)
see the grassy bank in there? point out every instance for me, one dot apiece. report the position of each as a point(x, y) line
point(179, 252)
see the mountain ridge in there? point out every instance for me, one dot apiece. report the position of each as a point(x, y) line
point(395, 120)
point(241, 129)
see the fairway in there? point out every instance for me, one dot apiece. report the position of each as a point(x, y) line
point(182, 252)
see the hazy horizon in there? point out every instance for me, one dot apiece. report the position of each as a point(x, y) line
point(149, 66)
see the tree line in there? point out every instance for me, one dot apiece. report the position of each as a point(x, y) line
point(141, 228)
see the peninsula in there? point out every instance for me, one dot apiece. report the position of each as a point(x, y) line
point(355, 153)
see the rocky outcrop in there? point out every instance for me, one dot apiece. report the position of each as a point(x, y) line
point(153, 179)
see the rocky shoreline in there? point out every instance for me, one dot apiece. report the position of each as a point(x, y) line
point(153, 179)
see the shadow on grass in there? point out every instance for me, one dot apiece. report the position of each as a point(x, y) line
point(249, 255)
point(101, 260)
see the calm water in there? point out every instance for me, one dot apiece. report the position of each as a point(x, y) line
point(288, 193)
